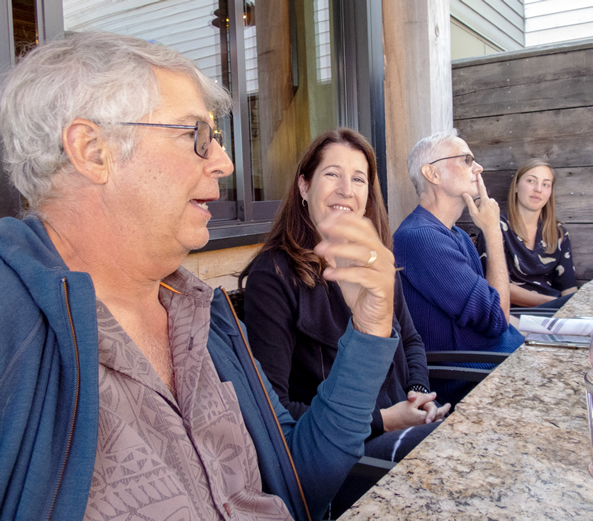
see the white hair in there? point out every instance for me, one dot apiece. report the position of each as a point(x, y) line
point(99, 76)
point(424, 152)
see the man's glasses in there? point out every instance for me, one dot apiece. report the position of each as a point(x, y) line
point(469, 159)
point(203, 135)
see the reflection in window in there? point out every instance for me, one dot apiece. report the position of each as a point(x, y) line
point(288, 53)
point(24, 26)
point(322, 42)
point(293, 104)
point(189, 26)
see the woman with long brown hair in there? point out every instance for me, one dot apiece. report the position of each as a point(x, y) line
point(537, 246)
point(295, 318)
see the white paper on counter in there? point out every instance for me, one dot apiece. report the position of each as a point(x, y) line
point(556, 326)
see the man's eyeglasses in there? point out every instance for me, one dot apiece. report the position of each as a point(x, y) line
point(469, 159)
point(203, 135)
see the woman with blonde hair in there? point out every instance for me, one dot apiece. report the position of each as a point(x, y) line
point(537, 246)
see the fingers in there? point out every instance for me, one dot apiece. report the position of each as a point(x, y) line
point(435, 414)
point(348, 255)
point(469, 202)
point(422, 399)
point(481, 187)
point(344, 228)
point(412, 396)
point(442, 411)
point(348, 244)
point(362, 266)
point(367, 278)
point(431, 412)
point(474, 204)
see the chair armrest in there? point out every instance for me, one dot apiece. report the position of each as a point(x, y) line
point(457, 373)
point(365, 473)
point(468, 357)
point(538, 312)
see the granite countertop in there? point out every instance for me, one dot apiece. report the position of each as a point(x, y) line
point(581, 305)
point(517, 447)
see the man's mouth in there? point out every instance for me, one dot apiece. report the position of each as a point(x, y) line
point(199, 203)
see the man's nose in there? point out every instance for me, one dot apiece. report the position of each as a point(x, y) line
point(219, 163)
point(477, 168)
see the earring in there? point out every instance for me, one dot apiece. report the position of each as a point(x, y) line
point(303, 202)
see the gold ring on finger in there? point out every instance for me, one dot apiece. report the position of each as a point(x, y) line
point(372, 259)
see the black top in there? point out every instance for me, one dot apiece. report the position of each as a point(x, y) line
point(294, 332)
point(535, 270)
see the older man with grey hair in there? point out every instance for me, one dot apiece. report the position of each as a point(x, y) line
point(127, 389)
point(454, 307)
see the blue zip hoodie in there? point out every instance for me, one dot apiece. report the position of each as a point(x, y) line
point(49, 392)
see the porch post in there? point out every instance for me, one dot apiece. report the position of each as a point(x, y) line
point(418, 91)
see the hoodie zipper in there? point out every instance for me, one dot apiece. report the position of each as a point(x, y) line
point(71, 434)
point(269, 403)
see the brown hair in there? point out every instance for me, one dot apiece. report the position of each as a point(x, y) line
point(294, 231)
point(550, 232)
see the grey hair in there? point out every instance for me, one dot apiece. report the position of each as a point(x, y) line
point(424, 152)
point(98, 76)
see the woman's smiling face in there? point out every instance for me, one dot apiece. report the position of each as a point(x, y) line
point(340, 183)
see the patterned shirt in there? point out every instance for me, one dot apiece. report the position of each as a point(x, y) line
point(535, 270)
point(159, 457)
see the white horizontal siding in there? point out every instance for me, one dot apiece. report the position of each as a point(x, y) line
point(555, 20)
point(551, 21)
point(184, 25)
point(498, 21)
point(543, 7)
point(560, 34)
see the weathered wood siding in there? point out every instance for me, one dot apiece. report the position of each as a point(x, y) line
point(499, 21)
point(538, 103)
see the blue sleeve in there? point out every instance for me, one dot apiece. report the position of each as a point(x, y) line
point(441, 272)
point(329, 438)
point(564, 275)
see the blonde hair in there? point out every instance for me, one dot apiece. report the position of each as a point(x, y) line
point(550, 231)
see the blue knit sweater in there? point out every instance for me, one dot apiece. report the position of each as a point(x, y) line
point(450, 301)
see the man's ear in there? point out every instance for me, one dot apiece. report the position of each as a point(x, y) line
point(303, 187)
point(87, 150)
point(431, 174)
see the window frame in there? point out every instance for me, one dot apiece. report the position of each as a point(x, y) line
point(361, 106)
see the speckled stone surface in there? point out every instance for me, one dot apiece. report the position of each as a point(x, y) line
point(517, 447)
point(581, 305)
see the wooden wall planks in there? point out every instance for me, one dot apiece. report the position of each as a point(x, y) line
point(564, 137)
point(527, 97)
point(522, 68)
point(535, 103)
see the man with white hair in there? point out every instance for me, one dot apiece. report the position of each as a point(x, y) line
point(127, 389)
point(454, 307)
